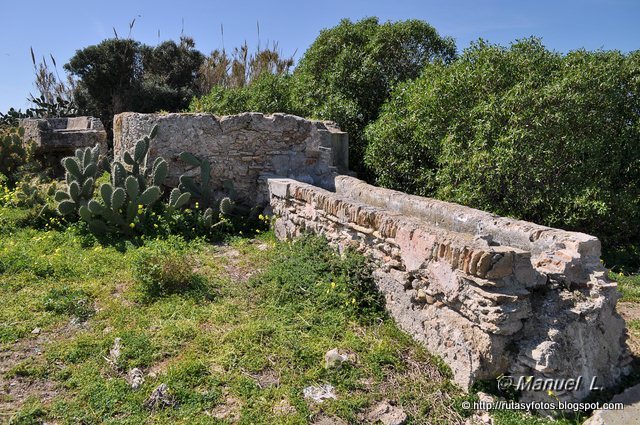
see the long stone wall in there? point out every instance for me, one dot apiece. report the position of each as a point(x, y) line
point(491, 295)
point(245, 149)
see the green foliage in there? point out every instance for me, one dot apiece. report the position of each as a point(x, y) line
point(31, 413)
point(522, 132)
point(12, 117)
point(165, 267)
point(34, 195)
point(345, 76)
point(72, 302)
point(13, 153)
point(267, 94)
point(81, 172)
point(310, 268)
point(202, 192)
point(57, 107)
point(349, 71)
point(199, 190)
point(109, 77)
point(169, 75)
point(629, 286)
point(119, 75)
point(131, 191)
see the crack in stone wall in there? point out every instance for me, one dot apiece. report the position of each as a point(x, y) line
point(491, 295)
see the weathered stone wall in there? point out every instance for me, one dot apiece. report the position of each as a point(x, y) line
point(55, 138)
point(65, 135)
point(245, 149)
point(491, 295)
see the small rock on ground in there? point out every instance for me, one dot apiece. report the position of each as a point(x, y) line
point(160, 398)
point(333, 358)
point(387, 414)
point(136, 378)
point(321, 393)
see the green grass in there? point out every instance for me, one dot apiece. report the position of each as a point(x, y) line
point(238, 335)
point(243, 345)
point(629, 285)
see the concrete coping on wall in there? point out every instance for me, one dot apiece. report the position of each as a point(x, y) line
point(559, 252)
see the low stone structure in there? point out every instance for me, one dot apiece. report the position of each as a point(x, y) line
point(55, 138)
point(491, 295)
point(245, 149)
point(64, 135)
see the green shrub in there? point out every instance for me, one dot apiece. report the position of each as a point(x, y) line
point(72, 302)
point(345, 76)
point(13, 154)
point(309, 269)
point(522, 132)
point(269, 93)
point(165, 267)
point(349, 71)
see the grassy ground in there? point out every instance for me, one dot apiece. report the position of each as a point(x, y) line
point(236, 337)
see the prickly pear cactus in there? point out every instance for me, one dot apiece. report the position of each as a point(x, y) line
point(199, 190)
point(137, 164)
point(81, 172)
point(133, 190)
point(177, 199)
point(227, 206)
point(120, 206)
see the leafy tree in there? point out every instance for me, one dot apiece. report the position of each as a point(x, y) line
point(170, 75)
point(121, 75)
point(349, 71)
point(109, 78)
point(523, 132)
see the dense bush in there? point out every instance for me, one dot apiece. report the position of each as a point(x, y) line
point(269, 93)
point(523, 132)
point(349, 71)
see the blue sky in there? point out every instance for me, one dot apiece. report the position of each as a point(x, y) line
point(61, 27)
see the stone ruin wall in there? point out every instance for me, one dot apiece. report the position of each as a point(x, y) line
point(245, 149)
point(55, 138)
point(490, 295)
point(64, 135)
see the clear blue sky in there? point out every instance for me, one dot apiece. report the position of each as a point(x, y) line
point(61, 27)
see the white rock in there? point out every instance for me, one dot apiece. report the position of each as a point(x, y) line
point(333, 358)
point(136, 378)
point(320, 393)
